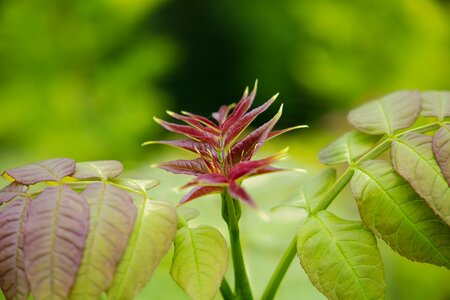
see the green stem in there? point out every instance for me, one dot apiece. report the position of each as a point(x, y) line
point(330, 195)
point(278, 275)
point(225, 290)
point(242, 284)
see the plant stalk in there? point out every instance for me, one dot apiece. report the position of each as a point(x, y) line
point(225, 290)
point(280, 271)
point(242, 284)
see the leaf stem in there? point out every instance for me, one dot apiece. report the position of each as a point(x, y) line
point(280, 271)
point(225, 290)
point(242, 284)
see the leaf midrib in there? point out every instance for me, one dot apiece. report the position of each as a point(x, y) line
point(342, 253)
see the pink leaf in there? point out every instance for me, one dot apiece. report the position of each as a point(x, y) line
point(241, 108)
point(246, 148)
point(12, 190)
point(55, 234)
point(208, 179)
point(48, 170)
point(200, 191)
point(240, 124)
point(276, 133)
point(189, 167)
point(247, 168)
point(13, 281)
point(193, 122)
point(239, 193)
point(191, 132)
point(189, 145)
point(222, 114)
point(201, 119)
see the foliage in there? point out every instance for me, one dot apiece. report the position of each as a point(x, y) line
point(59, 220)
point(69, 230)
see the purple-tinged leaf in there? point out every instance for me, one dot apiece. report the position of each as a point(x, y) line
point(222, 114)
point(200, 191)
point(386, 115)
point(190, 167)
point(441, 149)
point(266, 170)
point(55, 233)
point(241, 108)
point(239, 193)
point(112, 219)
point(189, 131)
point(189, 145)
point(436, 104)
point(239, 125)
point(247, 147)
point(193, 122)
point(12, 190)
point(102, 169)
point(275, 133)
point(250, 167)
point(13, 281)
point(211, 179)
point(201, 119)
point(48, 170)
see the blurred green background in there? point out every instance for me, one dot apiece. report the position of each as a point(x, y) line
point(83, 79)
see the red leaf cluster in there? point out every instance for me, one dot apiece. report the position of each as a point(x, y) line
point(225, 158)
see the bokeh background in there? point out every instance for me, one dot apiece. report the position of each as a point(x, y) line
point(83, 79)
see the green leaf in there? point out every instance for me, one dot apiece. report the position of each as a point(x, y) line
point(199, 261)
point(110, 224)
point(341, 257)
point(55, 232)
point(12, 272)
point(347, 148)
point(139, 185)
point(102, 169)
point(394, 212)
point(314, 187)
point(388, 114)
point(413, 158)
point(441, 149)
point(152, 236)
point(436, 104)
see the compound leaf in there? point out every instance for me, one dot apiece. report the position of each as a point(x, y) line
point(12, 190)
point(102, 169)
point(48, 170)
point(110, 225)
point(13, 281)
point(347, 148)
point(55, 233)
point(200, 261)
point(388, 114)
point(436, 104)
point(441, 149)
point(394, 212)
point(412, 157)
point(341, 257)
point(154, 230)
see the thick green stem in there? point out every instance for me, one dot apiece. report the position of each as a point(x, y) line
point(225, 290)
point(278, 275)
point(242, 284)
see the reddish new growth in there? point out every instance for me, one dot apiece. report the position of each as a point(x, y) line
point(224, 161)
